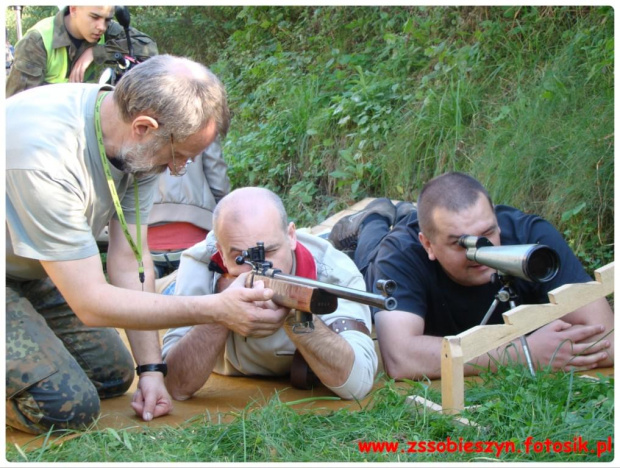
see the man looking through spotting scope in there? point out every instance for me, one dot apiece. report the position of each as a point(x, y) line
point(338, 349)
point(441, 292)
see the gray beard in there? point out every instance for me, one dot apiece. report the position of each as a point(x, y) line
point(156, 170)
point(136, 160)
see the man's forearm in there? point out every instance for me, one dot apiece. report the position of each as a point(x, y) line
point(328, 354)
point(145, 345)
point(192, 359)
point(411, 357)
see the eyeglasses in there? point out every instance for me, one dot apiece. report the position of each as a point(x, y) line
point(177, 172)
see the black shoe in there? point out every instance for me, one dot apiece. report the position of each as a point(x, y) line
point(345, 232)
point(403, 209)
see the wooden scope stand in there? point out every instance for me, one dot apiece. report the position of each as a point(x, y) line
point(458, 350)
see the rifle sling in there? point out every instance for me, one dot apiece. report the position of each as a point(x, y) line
point(302, 376)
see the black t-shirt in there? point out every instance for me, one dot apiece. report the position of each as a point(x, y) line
point(449, 308)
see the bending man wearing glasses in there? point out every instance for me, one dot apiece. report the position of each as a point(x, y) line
point(92, 157)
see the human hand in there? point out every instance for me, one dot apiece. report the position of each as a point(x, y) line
point(80, 66)
point(249, 311)
point(566, 347)
point(151, 399)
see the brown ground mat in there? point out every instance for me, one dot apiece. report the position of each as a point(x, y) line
point(219, 398)
point(215, 402)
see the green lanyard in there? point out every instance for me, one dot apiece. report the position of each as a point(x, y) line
point(137, 249)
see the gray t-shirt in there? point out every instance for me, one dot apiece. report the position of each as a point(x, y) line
point(57, 195)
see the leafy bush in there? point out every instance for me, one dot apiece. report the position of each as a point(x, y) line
point(333, 104)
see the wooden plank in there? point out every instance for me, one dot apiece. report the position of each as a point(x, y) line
point(605, 274)
point(456, 350)
point(481, 339)
point(584, 293)
point(484, 338)
point(452, 375)
point(423, 403)
point(529, 317)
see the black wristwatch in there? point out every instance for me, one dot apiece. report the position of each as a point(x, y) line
point(163, 368)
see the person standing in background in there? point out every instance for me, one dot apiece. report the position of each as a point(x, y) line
point(183, 208)
point(62, 48)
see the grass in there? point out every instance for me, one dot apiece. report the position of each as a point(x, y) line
point(376, 101)
point(546, 418)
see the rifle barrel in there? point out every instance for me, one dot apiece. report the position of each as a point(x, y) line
point(355, 295)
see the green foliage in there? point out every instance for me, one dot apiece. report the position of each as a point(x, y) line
point(551, 148)
point(333, 104)
point(199, 32)
point(511, 406)
point(29, 16)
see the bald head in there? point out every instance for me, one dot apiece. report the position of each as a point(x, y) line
point(249, 206)
point(250, 215)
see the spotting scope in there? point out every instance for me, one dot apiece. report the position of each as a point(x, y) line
point(532, 262)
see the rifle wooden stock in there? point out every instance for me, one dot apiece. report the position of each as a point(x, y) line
point(295, 296)
point(313, 296)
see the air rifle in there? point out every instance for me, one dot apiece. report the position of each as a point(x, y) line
point(308, 296)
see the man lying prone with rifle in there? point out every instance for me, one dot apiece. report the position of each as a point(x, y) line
point(326, 320)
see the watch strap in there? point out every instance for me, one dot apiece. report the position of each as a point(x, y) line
point(162, 367)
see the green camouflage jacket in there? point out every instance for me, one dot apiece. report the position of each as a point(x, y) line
point(30, 61)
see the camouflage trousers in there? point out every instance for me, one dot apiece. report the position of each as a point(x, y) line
point(57, 369)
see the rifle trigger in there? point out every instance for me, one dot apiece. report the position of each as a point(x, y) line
point(301, 328)
point(303, 323)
